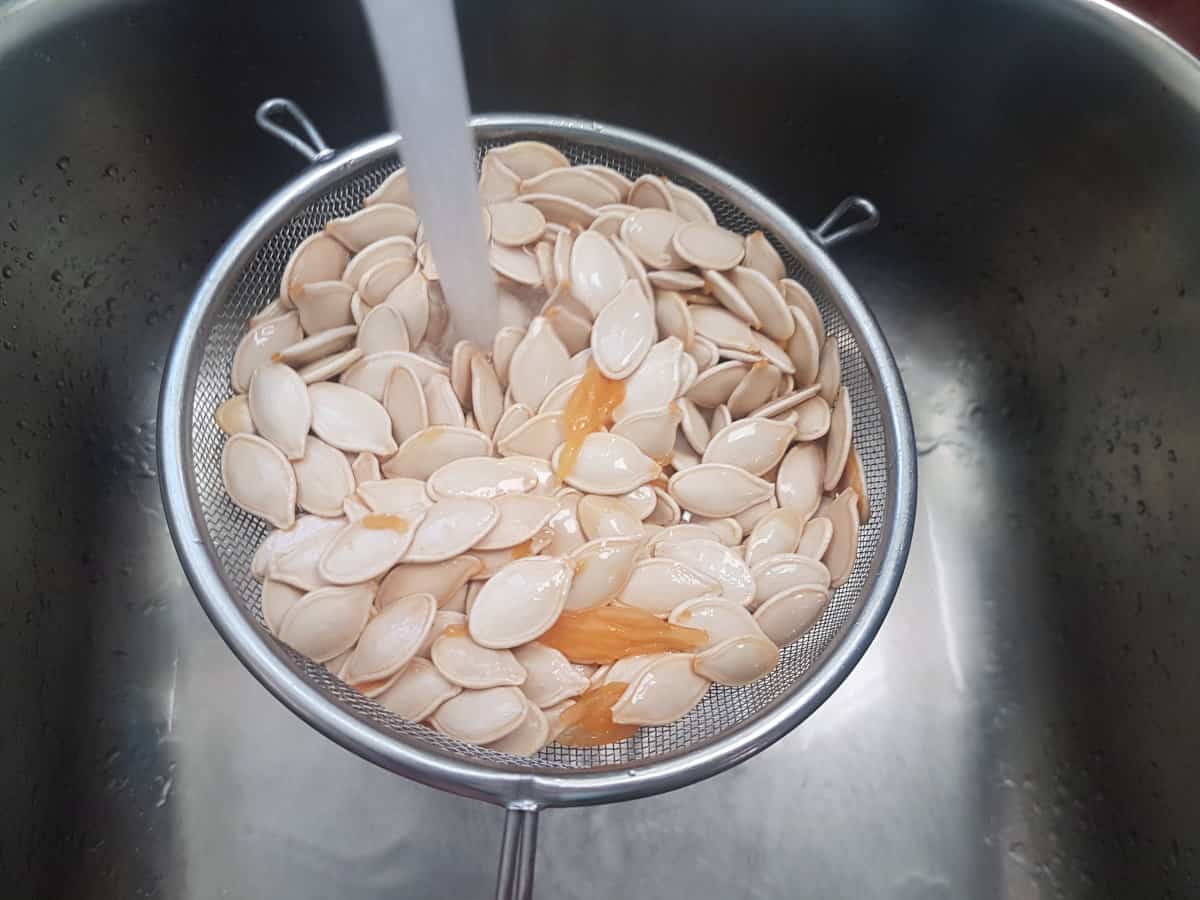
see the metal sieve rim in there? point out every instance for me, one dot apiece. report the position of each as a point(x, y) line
point(512, 786)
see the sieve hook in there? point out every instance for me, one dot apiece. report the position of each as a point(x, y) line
point(314, 149)
point(828, 234)
point(518, 850)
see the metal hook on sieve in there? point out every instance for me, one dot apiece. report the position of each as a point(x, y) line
point(314, 149)
point(827, 233)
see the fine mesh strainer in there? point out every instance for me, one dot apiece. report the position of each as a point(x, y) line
point(216, 539)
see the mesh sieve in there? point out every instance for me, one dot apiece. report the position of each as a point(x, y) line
point(216, 539)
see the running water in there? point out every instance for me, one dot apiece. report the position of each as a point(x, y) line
point(417, 45)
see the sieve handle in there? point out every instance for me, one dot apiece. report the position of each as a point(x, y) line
point(518, 849)
point(855, 215)
point(310, 144)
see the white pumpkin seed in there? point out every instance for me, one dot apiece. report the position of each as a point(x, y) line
point(259, 479)
point(390, 640)
point(595, 271)
point(397, 247)
point(601, 517)
point(317, 347)
point(812, 419)
point(755, 445)
point(815, 538)
point(260, 344)
point(704, 352)
point(716, 616)
point(764, 298)
point(431, 448)
point(727, 530)
point(738, 661)
point(666, 511)
point(566, 534)
point(350, 420)
point(837, 446)
point(528, 159)
point(650, 192)
point(325, 623)
point(443, 406)
point(728, 296)
point(763, 257)
point(576, 183)
point(323, 478)
point(829, 372)
point(373, 223)
point(623, 333)
point(394, 189)
point(658, 585)
point(619, 182)
point(277, 599)
point(487, 397)
point(714, 386)
point(369, 547)
point(515, 263)
point(641, 500)
point(648, 233)
point(601, 568)
point(539, 436)
point(330, 367)
point(759, 386)
point(791, 612)
point(520, 602)
point(470, 665)
point(843, 546)
point(675, 280)
point(672, 317)
point(539, 363)
point(233, 416)
point(528, 737)
point(689, 205)
point(411, 298)
point(317, 258)
point(714, 559)
point(749, 518)
point(633, 266)
point(608, 222)
point(550, 677)
point(652, 431)
point(497, 182)
point(521, 517)
point(562, 210)
point(667, 690)
point(450, 528)
point(442, 580)
point(785, 402)
point(609, 464)
point(798, 485)
point(656, 381)
point(323, 305)
point(418, 692)
point(516, 224)
point(280, 541)
point(279, 407)
point(777, 533)
point(795, 294)
point(503, 347)
point(480, 476)
point(481, 717)
point(370, 374)
point(378, 282)
point(776, 573)
point(707, 245)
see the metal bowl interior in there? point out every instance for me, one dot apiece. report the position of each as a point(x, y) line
point(216, 539)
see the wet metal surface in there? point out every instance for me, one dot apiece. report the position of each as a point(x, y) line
point(1024, 725)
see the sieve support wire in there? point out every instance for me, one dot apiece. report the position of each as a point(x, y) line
point(518, 852)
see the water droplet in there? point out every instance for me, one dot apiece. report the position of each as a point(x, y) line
point(64, 163)
point(111, 171)
point(56, 275)
point(7, 271)
point(62, 218)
